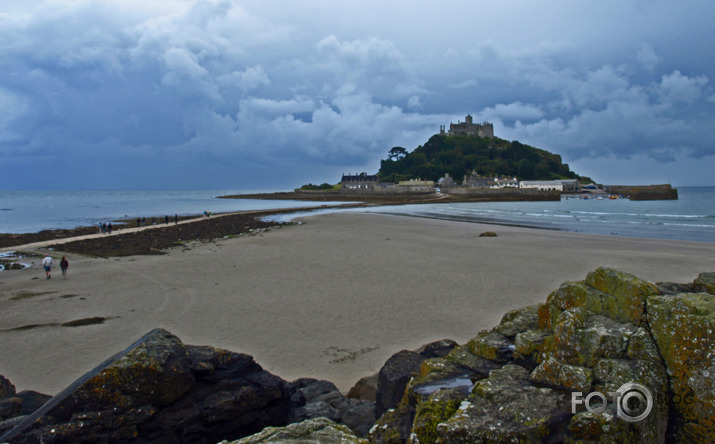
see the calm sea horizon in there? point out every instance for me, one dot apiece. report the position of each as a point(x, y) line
point(691, 217)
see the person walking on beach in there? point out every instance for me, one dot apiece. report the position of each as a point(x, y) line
point(47, 263)
point(109, 228)
point(176, 219)
point(166, 219)
point(64, 265)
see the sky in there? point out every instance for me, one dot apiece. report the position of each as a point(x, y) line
point(256, 95)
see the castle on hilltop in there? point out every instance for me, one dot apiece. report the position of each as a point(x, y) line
point(468, 128)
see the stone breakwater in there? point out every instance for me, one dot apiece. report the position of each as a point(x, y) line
point(526, 380)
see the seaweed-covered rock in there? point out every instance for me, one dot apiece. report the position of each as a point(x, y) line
point(317, 430)
point(683, 327)
point(159, 389)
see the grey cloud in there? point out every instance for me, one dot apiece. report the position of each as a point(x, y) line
point(647, 57)
point(221, 83)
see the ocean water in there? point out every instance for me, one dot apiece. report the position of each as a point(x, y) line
point(691, 217)
point(32, 211)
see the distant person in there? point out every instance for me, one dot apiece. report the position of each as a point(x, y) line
point(176, 219)
point(109, 228)
point(144, 221)
point(64, 265)
point(166, 219)
point(47, 263)
point(101, 230)
point(139, 222)
point(104, 228)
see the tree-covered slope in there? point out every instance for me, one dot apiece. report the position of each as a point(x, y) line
point(459, 155)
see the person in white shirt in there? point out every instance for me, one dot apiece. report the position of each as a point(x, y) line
point(47, 263)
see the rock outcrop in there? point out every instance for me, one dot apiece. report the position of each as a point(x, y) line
point(160, 390)
point(322, 399)
point(645, 349)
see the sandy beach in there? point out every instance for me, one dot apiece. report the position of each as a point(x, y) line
point(331, 298)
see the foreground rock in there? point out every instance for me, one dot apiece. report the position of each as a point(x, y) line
point(314, 431)
point(322, 399)
point(518, 382)
point(160, 390)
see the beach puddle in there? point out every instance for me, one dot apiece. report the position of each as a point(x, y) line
point(9, 261)
point(463, 383)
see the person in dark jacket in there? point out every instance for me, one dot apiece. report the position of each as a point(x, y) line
point(64, 265)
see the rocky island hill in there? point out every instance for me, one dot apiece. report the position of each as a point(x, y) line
point(648, 348)
point(466, 163)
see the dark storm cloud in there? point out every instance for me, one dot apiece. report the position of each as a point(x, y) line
point(220, 90)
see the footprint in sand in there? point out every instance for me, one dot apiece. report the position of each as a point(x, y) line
point(343, 354)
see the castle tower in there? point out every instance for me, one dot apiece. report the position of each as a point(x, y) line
point(468, 119)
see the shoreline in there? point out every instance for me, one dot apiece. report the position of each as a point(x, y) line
point(331, 298)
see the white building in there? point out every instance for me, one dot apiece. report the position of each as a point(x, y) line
point(564, 185)
point(543, 185)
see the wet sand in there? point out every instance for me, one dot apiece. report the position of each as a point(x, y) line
point(332, 298)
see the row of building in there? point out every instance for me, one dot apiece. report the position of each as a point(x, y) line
point(371, 183)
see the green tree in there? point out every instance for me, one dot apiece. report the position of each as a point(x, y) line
point(527, 171)
point(397, 153)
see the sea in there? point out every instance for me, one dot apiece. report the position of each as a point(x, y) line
point(691, 217)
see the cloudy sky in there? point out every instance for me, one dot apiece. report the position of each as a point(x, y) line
point(258, 95)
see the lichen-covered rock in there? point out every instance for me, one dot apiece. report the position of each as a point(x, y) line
point(704, 283)
point(505, 407)
point(595, 339)
point(528, 346)
point(477, 365)
point(437, 407)
point(393, 427)
point(519, 320)
point(311, 431)
point(683, 327)
point(492, 345)
point(628, 294)
point(607, 292)
point(161, 389)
